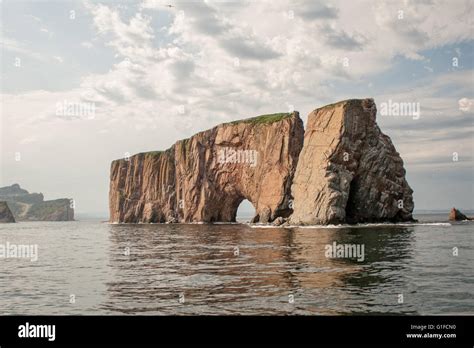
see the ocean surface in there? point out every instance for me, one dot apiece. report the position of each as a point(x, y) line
point(92, 267)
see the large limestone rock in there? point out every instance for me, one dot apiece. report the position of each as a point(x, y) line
point(5, 213)
point(32, 206)
point(348, 170)
point(206, 177)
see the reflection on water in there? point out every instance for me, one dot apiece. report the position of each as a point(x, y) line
point(234, 269)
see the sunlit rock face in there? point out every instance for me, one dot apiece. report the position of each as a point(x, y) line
point(348, 170)
point(343, 169)
point(206, 177)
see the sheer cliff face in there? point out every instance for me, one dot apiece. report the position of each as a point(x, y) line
point(142, 188)
point(206, 177)
point(348, 170)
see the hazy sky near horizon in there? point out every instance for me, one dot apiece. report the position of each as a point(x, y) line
point(156, 74)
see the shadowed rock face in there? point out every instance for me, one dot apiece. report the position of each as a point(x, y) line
point(348, 170)
point(5, 213)
point(206, 177)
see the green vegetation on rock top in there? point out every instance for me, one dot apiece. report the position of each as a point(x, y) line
point(346, 101)
point(262, 119)
point(270, 118)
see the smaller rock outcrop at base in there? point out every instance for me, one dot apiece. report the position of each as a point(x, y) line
point(5, 213)
point(279, 221)
point(456, 215)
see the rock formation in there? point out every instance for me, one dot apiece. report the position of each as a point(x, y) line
point(206, 177)
point(5, 213)
point(456, 215)
point(347, 171)
point(33, 207)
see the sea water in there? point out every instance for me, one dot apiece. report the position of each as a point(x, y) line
point(92, 267)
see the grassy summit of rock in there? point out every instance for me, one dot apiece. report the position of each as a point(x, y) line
point(263, 119)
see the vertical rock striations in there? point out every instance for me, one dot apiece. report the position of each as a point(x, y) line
point(344, 171)
point(206, 177)
point(348, 170)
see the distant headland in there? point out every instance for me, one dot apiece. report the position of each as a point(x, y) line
point(27, 206)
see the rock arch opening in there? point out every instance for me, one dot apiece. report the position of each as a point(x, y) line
point(245, 211)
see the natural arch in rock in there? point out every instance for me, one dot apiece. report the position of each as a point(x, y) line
point(346, 170)
point(206, 177)
point(245, 211)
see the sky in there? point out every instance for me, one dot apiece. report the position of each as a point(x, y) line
point(139, 75)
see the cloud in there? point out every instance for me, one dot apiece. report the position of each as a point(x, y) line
point(280, 60)
point(132, 39)
point(247, 48)
point(342, 40)
point(192, 59)
point(465, 104)
point(15, 46)
point(40, 22)
point(200, 19)
point(28, 140)
point(311, 10)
